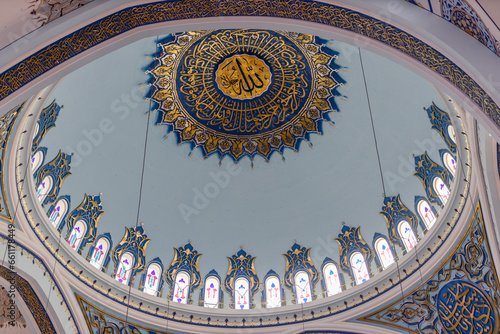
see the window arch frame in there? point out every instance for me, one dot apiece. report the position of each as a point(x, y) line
point(41, 197)
point(78, 223)
point(60, 223)
point(128, 272)
point(184, 297)
point(435, 187)
point(39, 162)
point(246, 295)
point(212, 275)
point(300, 299)
point(156, 290)
point(419, 202)
point(352, 265)
point(381, 263)
point(406, 241)
point(105, 254)
point(326, 264)
point(268, 291)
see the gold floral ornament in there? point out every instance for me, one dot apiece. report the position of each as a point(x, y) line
point(244, 92)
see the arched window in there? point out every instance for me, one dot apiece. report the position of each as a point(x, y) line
point(407, 235)
point(302, 287)
point(450, 163)
point(124, 268)
point(359, 268)
point(441, 189)
point(241, 294)
point(332, 279)
point(152, 279)
point(384, 252)
point(273, 292)
point(76, 236)
point(44, 188)
point(99, 253)
point(36, 161)
point(451, 132)
point(426, 213)
point(58, 212)
point(212, 292)
point(181, 287)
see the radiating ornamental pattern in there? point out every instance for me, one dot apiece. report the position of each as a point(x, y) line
point(244, 92)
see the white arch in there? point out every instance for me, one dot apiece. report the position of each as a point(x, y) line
point(273, 292)
point(36, 160)
point(127, 261)
point(426, 213)
point(450, 163)
point(303, 293)
point(181, 287)
point(441, 189)
point(99, 253)
point(407, 235)
point(241, 294)
point(384, 252)
point(152, 279)
point(77, 234)
point(58, 212)
point(332, 279)
point(359, 268)
point(212, 292)
point(44, 188)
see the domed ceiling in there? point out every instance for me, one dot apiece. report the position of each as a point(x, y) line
point(243, 139)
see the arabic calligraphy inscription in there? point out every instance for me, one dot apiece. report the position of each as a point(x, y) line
point(464, 308)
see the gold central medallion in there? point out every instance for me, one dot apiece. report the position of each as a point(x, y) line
point(243, 76)
point(244, 92)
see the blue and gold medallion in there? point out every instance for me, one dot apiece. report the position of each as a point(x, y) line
point(243, 92)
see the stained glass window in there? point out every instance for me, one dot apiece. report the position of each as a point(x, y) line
point(36, 161)
point(450, 163)
point(273, 292)
point(99, 253)
point(44, 188)
point(303, 287)
point(124, 268)
point(152, 279)
point(332, 279)
point(181, 288)
point(212, 292)
point(384, 252)
point(407, 235)
point(426, 213)
point(441, 189)
point(359, 268)
point(58, 212)
point(241, 294)
point(76, 235)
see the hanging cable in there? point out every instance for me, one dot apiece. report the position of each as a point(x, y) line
point(378, 158)
point(142, 182)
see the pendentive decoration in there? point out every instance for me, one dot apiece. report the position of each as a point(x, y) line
point(244, 92)
point(83, 222)
point(461, 296)
point(395, 212)
point(241, 280)
point(301, 275)
point(183, 274)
